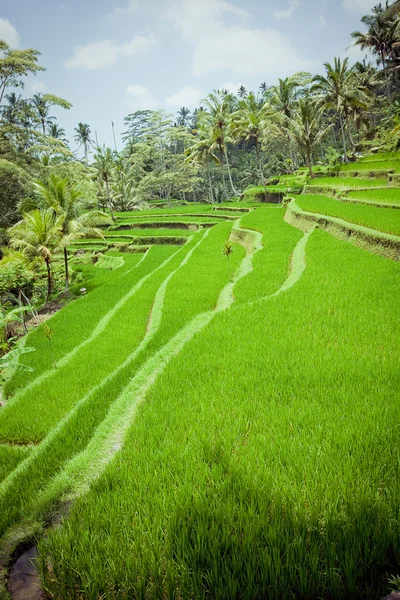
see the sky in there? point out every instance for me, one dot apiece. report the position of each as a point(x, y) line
point(112, 57)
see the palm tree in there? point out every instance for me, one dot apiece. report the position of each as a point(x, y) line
point(263, 87)
point(66, 201)
point(57, 132)
point(41, 104)
point(201, 152)
point(38, 234)
point(381, 35)
point(183, 116)
point(217, 115)
point(306, 130)
point(82, 138)
point(104, 165)
point(14, 110)
point(339, 91)
point(250, 123)
point(242, 92)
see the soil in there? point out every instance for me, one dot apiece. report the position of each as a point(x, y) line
point(24, 582)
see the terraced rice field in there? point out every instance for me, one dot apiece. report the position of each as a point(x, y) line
point(386, 195)
point(213, 428)
point(348, 182)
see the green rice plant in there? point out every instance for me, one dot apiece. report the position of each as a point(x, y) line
point(270, 266)
point(383, 165)
point(388, 195)
point(348, 182)
point(153, 232)
point(190, 290)
point(295, 460)
point(10, 457)
point(379, 156)
point(381, 219)
point(85, 312)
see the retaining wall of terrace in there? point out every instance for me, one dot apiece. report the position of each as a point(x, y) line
point(369, 239)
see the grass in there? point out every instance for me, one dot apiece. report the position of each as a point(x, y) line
point(348, 182)
point(73, 433)
point(270, 266)
point(386, 220)
point(383, 165)
point(85, 312)
point(379, 156)
point(10, 457)
point(296, 460)
point(387, 195)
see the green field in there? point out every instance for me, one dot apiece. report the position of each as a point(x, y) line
point(387, 195)
point(386, 220)
point(216, 415)
point(348, 182)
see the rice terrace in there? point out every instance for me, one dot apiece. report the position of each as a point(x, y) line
point(199, 312)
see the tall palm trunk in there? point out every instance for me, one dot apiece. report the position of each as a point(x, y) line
point(234, 190)
point(48, 267)
point(210, 182)
point(66, 270)
point(109, 201)
point(259, 162)
point(343, 138)
point(385, 70)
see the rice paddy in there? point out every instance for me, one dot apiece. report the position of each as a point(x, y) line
point(219, 415)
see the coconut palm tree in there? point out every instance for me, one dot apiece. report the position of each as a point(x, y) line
point(183, 116)
point(217, 116)
point(202, 152)
point(41, 104)
point(57, 132)
point(82, 138)
point(306, 129)
point(251, 123)
point(66, 201)
point(338, 90)
point(380, 37)
point(242, 92)
point(38, 234)
point(104, 166)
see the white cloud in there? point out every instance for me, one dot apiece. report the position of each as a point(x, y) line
point(131, 7)
point(140, 97)
point(252, 51)
point(360, 6)
point(8, 33)
point(195, 19)
point(288, 12)
point(188, 96)
point(322, 22)
point(38, 87)
point(97, 55)
point(223, 40)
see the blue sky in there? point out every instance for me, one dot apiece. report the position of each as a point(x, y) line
point(112, 57)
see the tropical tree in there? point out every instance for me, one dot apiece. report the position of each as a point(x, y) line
point(381, 36)
point(38, 234)
point(104, 166)
point(242, 92)
point(250, 123)
point(41, 104)
point(202, 153)
point(15, 64)
point(83, 138)
point(217, 118)
point(66, 201)
point(57, 132)
point(306, 129)
point(183, 116)
point(338, 91)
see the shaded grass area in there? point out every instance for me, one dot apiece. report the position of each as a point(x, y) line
point(10, 457)
point(84, 313)
point(270, 265)
point(349, 182)
point(386, 220)
point(207, 270)
point(282, 483)
point(387, 195)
